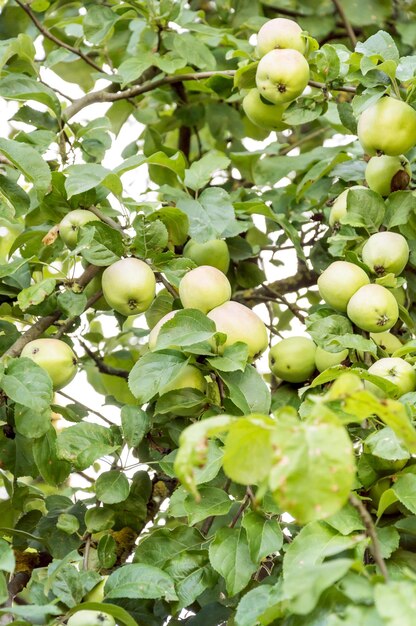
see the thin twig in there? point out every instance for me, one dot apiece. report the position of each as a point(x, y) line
point(101, 365)
point(86, 552)
point(166, 284)
point(375, 547)
point(347, 88)
point(240, 511)
point(106, 219)
point(348, 27)
point(85, 407)
point(62, 44)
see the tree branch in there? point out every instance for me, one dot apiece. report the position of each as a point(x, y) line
point(347, 88)
point(46, 33)
point(303, 278)
point(106, 219)
point(371, 533)
point(101, 365)
point(85, 407)
point(347, 24)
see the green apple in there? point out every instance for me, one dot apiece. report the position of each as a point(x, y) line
point(293, 359)
point(398, 371)
point(189, 378)
point(204, 288)
point(385, 174)
point(373, 308)
point(339, 208)
point(154, 333)
point(54, 356)
point(325, 359)
point(129, 286)
point(280, 33)
point(387, 127)
point(72, 222)
point(93, 287)
point(339, 282)
point(213, 252)
point(386, 253)
point(282, 75)
point(388, 342)
point(377, 491)
point(97, 593)
point(240, 323)
point(263, 113)
point(91, 618)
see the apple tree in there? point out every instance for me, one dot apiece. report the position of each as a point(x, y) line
point(207, 320)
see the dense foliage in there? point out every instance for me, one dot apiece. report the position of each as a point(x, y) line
point(214, 485)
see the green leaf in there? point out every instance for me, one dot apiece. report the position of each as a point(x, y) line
point(405, 489)
point(29, 162)
point(112, 487)
point(258, 603)
point(326, 331)
point(320, 450)
point(35, 614)
point(211, 216)
point(264, 535)
point(380, 46)
point(365, 209)
point(98, 23)
point(187, 328)
point(164, 544)
point(97, 520)
point(200, 172)
point(245, 76)
point(140, 581)
point(23, 88)
point(150, 238)
point(103, 244)
point(35, 294)
point(247, 390)
point(135, 423)
point(389, 539)
point(395, 602)
point(28, 384)
point(194, 51)
point(30, 423)
point(84, 443)
point(82, 178)
point(175, 163)
point(68, 523)
point(107, 551)
point(213, 502)
point(385, 444)
point(72, 304)
point(400, 206)
point(229, 555)
point(7, 559)
point(234, 358)
point(153, 371)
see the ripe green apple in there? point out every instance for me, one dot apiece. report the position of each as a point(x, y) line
point(387, 127)
point(377, 491)
point(373, 308)
point(129, 286)
point(325, 359)
point(280, 33)
point(189, 378)
point(240, 323)
point(293, 359)
point(385, 174)
point(72, 222)
point(386, 252)
point(263, 113)
point(388, 342)
point(339, 208)
point(214, 252)
point(398, 371)
point(154, 333)
point(282, 75)
point(56, 357)
point(339, 282)
point(204, 288)
point(97, 593)
point(91, 618)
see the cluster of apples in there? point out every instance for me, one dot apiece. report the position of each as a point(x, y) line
point(282, 73)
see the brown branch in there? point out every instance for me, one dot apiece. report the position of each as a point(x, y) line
point(346, 22)
point(184, 139)
point(240, 511)
point(347, 88)
point(106, 95)
point(303, 278)
point(46, 33)
point(101, 365)
point(371, 533)
point(106, 219)
point(160, 278)
point(85, 407)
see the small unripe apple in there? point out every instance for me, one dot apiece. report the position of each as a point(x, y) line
point(388, 342)
point(129, 286)
point(54, 356)
point(204, 288)
point(325, 359)
point(386, 252)
point(397, 371)
point(385, 174)
point(293, 359)
point(373, 308)
point(72, 222)
point(91, 618)
point(240, 323)
point(154, 333)
point(339, 282)
point(280, 33)
point(190, 377)
point(282, 75)
point(263, 113)
point(339, 208)
point(214, 252)
point(387, 127)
